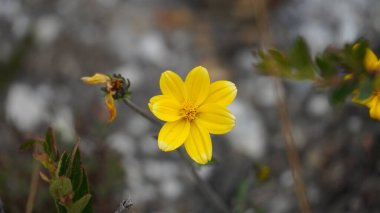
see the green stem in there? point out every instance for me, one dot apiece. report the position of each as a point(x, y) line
point(203, 186)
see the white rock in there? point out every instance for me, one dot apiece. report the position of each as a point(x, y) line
point(152, 47)
point(26, 107)
point(318, 105)
point(171, 188)
point(248, 136)
point(122, 143)
point(63, 122)
point(47, 29)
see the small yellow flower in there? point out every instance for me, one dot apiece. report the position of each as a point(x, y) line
point(193, 109)
point(373, 103)
point(112, 87)
point(371, 62)
point(372, 65)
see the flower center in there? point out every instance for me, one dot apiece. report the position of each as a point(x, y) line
point(189, 111)
point(114, 85)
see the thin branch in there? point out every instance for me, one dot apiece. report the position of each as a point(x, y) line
point(291, 150)
point(203, 186)
point(141, 112)
point(33, 185)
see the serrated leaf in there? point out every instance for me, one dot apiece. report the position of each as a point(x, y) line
point(75, 167)
point(46, 162)
point(49, 145)
point(60, 208)
point(326, 69)
point(300, 55)
point(79, 205)
point(63, 165)
point(83, 190)
point(29, 143)
point(83, 187)
point(60, 187)
point(340, 94)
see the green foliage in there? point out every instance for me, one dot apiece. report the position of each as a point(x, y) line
point(68, 182)
point(341, 70)
point(297, 64)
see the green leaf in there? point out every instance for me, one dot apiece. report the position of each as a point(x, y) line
point(326, 68)
point(300, 55)
point(29, 143)
point(63, 165)
point(83, 190)
point(80, 205)
point(60, 187)
point(340, 94)
point(75, 167)
point(366, 88)
point(49, 146)
point(60, 208)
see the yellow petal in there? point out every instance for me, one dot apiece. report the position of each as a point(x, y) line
point(370, 60)
point(165, 108)
point(197, 85)
point(173, 134)
point(98, 78)
point(198, 144)
point(374, 110)
point(356, 99)
point(217, 119)
point(110, 103)
point(172, 85)
point(222, 93)
point(154, 99)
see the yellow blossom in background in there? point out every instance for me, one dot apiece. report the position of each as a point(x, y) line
point(372, 65)
point(111, 86)
point(192, 109)
point(371, 62)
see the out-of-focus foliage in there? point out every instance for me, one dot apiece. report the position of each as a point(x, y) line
point(67, 178)
point(341, 70)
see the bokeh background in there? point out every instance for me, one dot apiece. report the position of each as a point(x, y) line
point(47, 46)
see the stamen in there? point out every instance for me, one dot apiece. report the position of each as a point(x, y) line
point(189, 111)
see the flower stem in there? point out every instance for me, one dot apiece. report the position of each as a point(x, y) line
point(203, 186)
point(141, 112)
point(33, 185)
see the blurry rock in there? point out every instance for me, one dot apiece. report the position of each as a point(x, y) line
point(26, 107)
point(47, 29)
point(318, 105)
point(152, 48)
point(9, 9)
point(123, 143)
point(248, 136)
point(63, 123)
point(20, 26)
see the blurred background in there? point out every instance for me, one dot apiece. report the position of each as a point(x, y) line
point(47, 46)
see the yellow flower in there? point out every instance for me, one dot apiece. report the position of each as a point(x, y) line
point(111, 86)
point(372, 65)
point(193, 109)
point(373, 103)
point(371, 62)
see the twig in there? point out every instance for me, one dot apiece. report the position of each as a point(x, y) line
point(203, 186)
point(141, 112)
point(33, 185)
point(124, 206)
point(291, 150)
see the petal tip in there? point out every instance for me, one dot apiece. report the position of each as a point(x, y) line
point(163, 146)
